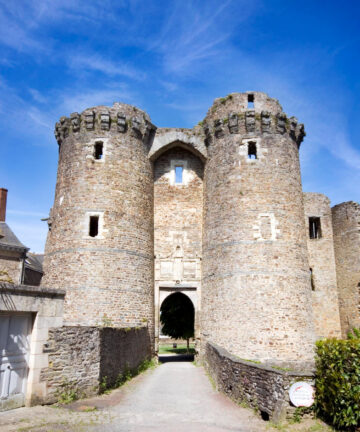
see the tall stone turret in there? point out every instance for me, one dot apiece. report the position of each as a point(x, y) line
point(346, 225)
point(256, 292)
point(100, 244)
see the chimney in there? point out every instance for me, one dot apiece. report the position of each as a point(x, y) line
point(3, 196)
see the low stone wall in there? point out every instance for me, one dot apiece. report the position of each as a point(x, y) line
point(122, 349)
point(262, 387)
point(81, 357)
point(74, 361)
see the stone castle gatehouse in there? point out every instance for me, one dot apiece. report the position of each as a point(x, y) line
point(217, 213)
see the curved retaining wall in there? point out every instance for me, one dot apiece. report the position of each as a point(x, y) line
point(264, 388)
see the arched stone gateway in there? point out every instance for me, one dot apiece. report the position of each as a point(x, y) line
point(185, 138)
point(162, 293)
point(183, 306)
point(178, 203)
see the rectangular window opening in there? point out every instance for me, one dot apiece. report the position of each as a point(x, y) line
point(314, 227)
point(98, 150)
point(252, 150)
point(250, 101)
point(94, 226)
point(178, 174)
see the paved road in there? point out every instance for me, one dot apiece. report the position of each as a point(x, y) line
point(178, 396)
point(175, 397)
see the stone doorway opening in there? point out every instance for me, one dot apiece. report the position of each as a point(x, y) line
point(176, 327)
point(168, 295)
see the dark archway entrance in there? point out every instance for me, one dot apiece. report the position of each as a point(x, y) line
point(177, 317)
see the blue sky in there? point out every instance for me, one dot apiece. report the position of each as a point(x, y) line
point(172, 59)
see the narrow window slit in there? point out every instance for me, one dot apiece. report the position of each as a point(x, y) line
point(252, 154)
point(312, 279)
point(98, 150)
point(94, 226)
point(314, 227)
point(250, 101)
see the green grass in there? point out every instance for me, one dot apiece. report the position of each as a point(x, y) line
point(181, 349)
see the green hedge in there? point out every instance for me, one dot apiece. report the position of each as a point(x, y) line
point(338, 382)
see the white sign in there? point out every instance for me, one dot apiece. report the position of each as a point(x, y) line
point(301, 394)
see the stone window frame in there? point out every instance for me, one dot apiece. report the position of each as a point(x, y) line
point(185, 174)
point(274, 223)
point(317, 220)
point(244, 149)
point(91, 147)
point(101, 229)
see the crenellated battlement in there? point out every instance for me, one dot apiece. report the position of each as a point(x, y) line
point(227, 115)
point(120, 118)
point(258, 101)
point(232, 115)
point(250, 122)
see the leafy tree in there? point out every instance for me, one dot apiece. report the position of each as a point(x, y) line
point(177, 317)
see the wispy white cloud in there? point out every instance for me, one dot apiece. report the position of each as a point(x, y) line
point(186, 106)
point(194, 33)
point(340, 147)
point(169, 86)
point(37, 96)
point(14, 35)
point(38, 120)
point(94, 62)
point(79, 100)
point(23, 25)
point(35, 122)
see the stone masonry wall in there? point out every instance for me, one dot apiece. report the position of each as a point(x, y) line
point(73, 362)
point(256, 292)
point(178, 215)
point(346, 226)
point(80, 358)
point(322, 263)
point(108, 278)
point(122, 349)
point(262, 387)
point(12, 266)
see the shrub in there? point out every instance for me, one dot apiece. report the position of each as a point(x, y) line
point(338, 382)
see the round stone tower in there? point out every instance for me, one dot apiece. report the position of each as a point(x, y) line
point(100, 243)
point(256, 292)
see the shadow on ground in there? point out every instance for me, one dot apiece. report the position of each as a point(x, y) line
point(163, 358)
